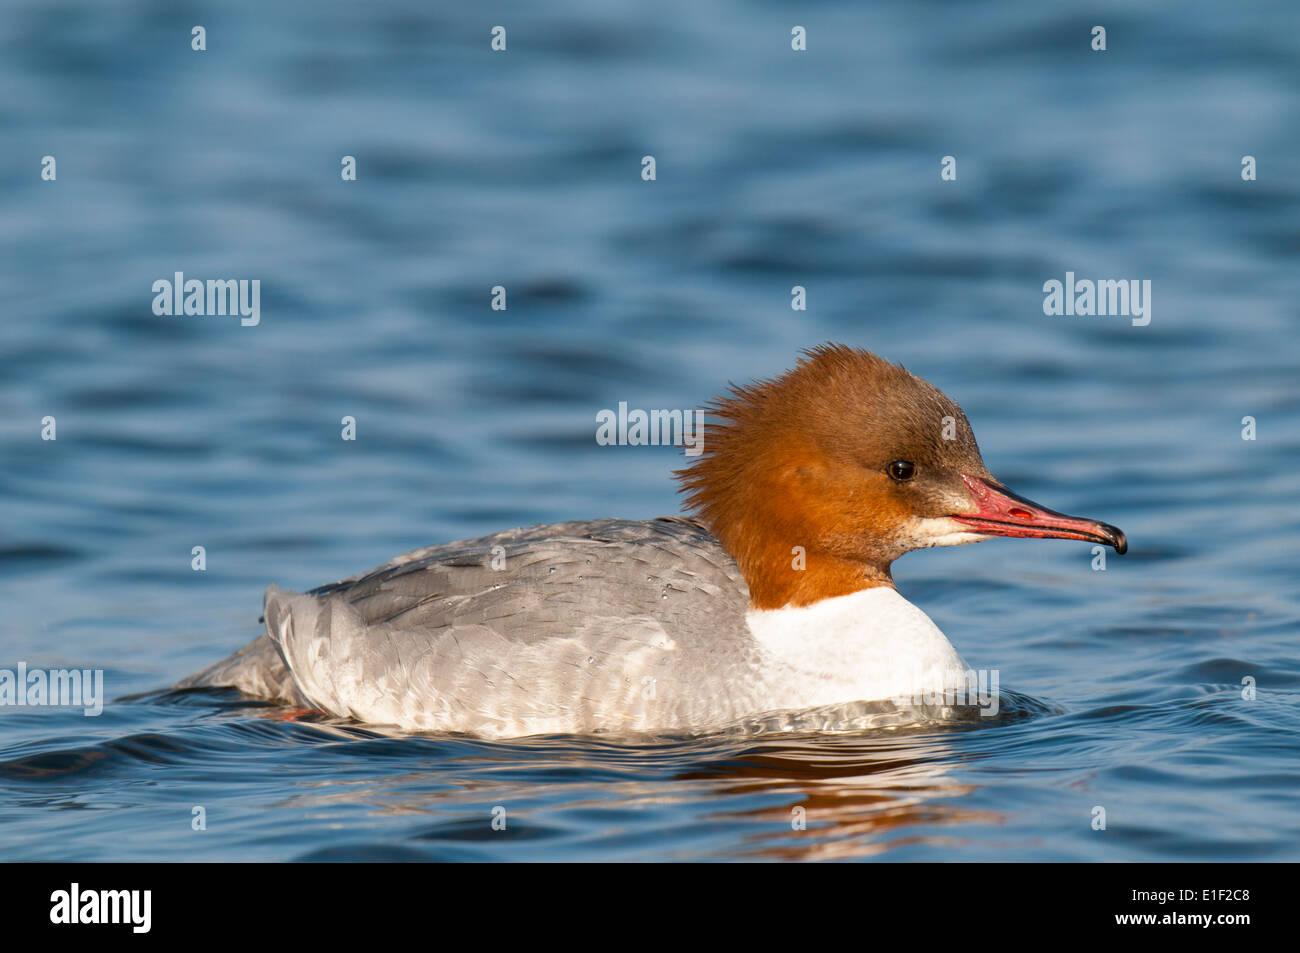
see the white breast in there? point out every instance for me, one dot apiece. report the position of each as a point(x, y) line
point(867, 646)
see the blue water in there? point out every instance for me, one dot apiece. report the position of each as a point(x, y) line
point(774, 169)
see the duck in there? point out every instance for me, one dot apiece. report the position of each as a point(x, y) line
point(773, 595)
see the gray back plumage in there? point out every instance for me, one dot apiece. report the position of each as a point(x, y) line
point(571, 627)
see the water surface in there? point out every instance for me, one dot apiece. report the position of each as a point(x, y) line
point(522, 169)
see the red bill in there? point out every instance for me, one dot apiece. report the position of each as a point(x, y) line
point(1003, 513)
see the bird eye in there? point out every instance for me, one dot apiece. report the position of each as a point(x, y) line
point(901, 470)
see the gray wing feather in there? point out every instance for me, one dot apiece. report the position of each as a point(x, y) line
point(257, 669)
point(585, 626)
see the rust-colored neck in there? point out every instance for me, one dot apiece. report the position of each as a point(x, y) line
point(775, 581)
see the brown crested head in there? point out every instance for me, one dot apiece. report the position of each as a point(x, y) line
point(816, 480)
